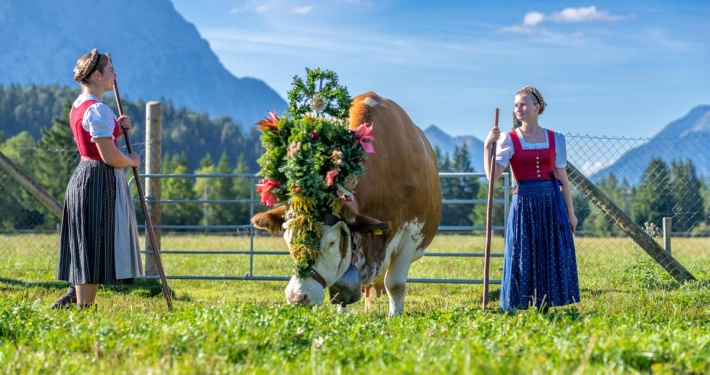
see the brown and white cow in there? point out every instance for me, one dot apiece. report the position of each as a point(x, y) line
point(400, 190)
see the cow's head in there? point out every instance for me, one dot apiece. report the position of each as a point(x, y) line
point(336, 249)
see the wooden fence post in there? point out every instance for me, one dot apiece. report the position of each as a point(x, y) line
point(30, 185)
point(643, 239)
point(153, 165)
point(667, 229)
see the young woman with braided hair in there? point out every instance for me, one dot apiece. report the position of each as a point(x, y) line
point(99, 234)
point(540, 266)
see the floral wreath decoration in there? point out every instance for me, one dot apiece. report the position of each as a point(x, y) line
point(312, 160)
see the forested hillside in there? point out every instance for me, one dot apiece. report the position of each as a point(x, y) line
point(33, 108)
point(35, 134)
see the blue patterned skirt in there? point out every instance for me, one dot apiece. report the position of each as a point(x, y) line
point(540, 266)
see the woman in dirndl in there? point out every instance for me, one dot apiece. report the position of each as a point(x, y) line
point(540, 266)
point(99, 234)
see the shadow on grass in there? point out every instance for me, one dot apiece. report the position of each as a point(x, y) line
point(13, 284)
point(140, 287)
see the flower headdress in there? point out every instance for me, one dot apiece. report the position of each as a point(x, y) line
point(312, 159)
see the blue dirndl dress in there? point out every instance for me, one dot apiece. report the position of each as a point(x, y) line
point(540, 266)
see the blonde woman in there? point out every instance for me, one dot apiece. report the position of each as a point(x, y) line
point(540, 266)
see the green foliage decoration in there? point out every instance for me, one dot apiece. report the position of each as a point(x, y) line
point(312, 160)
point(322, 89)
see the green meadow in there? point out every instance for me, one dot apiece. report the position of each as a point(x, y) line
point(633, 318)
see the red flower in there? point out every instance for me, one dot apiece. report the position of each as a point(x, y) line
point(269, 122)
point(364, 137)
point(331, 177)
point(264, 188)
point(314, 135)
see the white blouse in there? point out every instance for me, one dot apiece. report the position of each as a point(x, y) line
point(505, 149)
point(99, 119)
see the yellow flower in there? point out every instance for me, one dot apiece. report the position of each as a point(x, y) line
point(300, 251)
point(301, 204)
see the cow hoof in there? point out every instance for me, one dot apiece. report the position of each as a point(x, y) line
point(342, 309)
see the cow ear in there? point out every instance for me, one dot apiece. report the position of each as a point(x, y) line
point(367, 225)
point(361, 223)
point(271, 220)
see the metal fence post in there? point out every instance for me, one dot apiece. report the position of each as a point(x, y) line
point(252, 230)
point(153, 160)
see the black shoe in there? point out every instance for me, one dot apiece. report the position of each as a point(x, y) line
point(64, 301)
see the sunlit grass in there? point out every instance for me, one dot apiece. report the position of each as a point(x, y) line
point(633, 317)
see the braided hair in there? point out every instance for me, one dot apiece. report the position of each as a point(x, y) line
point(89, 63)
point(538, 99)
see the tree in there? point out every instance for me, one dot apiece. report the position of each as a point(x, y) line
point(20, 210)
point(582, 209)
point(203, 189)
point(56, 158)
point(223, 189)
point(458, 188)
point(179, 188)
point(687, 195)
point(478, 216)
point(242, 189)
point(599, 223)
point(654, 199)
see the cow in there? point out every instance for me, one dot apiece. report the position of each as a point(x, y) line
point(399, 192)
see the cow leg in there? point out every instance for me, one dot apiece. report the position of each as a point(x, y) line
point(396, 277)
point(396, 284)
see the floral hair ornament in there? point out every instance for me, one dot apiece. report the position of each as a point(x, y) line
point(312, 159)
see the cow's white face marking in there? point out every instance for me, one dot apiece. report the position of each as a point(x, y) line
point(331, 265)
point(371, 102)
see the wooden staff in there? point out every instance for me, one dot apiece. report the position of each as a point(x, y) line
point(489, 211)
point(141, 195)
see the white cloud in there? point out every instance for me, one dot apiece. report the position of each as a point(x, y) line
point(567, 15)
point(251, 6)
point(303, 10)
point(589, 14)
point(533, 18)
point(518, 29)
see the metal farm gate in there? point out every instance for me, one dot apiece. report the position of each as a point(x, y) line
point(252, 201)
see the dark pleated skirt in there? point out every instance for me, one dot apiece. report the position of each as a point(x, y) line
point(86, 249)
point(540, 266)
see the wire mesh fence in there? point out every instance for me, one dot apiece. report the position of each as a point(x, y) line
point(662, 184)
point(649, 179)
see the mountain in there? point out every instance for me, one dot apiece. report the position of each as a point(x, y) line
point(157, 54)
point(685, 138)
point(446, 143)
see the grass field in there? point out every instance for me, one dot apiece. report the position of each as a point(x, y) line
point(633, 318)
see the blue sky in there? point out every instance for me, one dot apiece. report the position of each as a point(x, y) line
point(606, 68)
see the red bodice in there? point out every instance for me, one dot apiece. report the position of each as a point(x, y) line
point(532, 164)
point(87, 149)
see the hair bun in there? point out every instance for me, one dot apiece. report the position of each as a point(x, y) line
point(85, 65)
